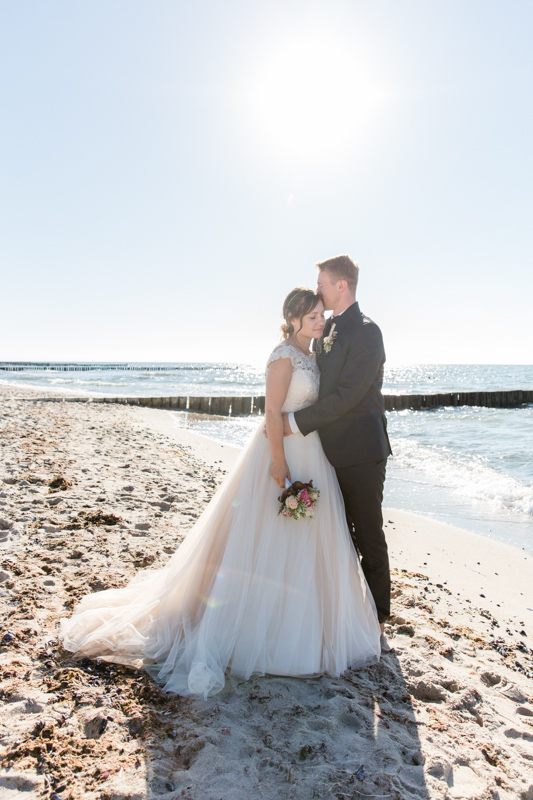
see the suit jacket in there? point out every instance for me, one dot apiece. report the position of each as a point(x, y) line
point(350, 414)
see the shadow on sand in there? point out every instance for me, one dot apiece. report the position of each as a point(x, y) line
point(350, 737)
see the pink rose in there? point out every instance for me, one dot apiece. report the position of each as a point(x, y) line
point(291, 502)
point(304, 497)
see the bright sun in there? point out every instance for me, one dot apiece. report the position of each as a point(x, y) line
point(313, 98)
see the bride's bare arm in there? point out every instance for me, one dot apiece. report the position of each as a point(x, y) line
point(277, 385)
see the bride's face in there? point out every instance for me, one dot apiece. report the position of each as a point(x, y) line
point(312, 323)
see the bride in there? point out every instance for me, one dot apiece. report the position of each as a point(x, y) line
point(248, 591)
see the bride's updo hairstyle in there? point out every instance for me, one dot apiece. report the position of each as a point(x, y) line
point(297, 304)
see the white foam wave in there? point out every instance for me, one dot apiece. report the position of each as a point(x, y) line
point(465, 474)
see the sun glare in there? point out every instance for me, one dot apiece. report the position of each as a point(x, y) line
point(313, 98)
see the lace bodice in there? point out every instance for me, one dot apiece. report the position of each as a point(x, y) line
point(303, 388)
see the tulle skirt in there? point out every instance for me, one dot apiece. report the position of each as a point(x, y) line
point(248, 591)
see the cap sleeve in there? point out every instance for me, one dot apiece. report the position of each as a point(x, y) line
point(283, 351)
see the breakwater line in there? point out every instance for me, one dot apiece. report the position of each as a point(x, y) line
point(30, 366)
point(247, 405)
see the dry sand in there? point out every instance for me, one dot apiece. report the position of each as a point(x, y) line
point(90, 493)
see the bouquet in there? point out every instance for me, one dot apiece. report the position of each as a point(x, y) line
point(298, 500)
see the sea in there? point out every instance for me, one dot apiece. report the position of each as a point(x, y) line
point(471, 467)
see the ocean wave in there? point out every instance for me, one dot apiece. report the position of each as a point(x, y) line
point(465, 474)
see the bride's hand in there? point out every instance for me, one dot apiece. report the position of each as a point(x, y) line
point(279, 471)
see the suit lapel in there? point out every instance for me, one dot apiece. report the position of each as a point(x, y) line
point(346, 321)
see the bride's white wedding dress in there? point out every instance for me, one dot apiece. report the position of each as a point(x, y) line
point(247, 591)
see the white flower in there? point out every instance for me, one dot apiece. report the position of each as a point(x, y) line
point(327, 342)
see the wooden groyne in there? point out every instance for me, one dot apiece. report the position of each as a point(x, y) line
point(507, 399)
point(7, 366)
point(244, 406)
point(221, 406)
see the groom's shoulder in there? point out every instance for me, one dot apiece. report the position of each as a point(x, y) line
point(365, 329)
point(369, 322)
point(362, 320)
point(357, 317)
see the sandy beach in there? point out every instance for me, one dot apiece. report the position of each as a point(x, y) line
point(90, 493)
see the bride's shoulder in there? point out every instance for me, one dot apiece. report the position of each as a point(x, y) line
point(282, 350)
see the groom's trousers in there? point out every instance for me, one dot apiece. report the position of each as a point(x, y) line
point(362, 490)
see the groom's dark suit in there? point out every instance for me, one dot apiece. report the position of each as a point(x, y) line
point(350, 418)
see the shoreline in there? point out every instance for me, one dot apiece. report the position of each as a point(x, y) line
point(213, 452)
point(476, 560)
point(512, 528)
point(129, 486)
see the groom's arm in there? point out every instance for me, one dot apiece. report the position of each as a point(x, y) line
point(359, 371)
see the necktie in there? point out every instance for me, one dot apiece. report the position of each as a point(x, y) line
point(327, 328)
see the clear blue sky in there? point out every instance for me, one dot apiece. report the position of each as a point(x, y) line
point(169, 170)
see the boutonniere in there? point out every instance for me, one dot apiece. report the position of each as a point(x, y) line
point(327, 341)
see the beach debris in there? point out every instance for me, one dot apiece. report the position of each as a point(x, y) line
point(96, 726)
point(59, 484)
point(35, 480)
point(143, 559)
point(305, 752)
point(135, 726)
point(85, 518)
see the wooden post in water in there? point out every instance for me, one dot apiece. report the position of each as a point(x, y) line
point(258, 405)
point(220, 406)
point(194, 403)
point(179, 403)
point(241, 406)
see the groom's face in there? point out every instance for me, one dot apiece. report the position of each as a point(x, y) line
point(327, 290)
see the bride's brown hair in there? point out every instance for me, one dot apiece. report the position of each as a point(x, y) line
point(297, 304)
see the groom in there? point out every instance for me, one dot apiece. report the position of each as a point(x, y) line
point(350, 418)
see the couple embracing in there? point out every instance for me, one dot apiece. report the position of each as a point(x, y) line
point(253, 592)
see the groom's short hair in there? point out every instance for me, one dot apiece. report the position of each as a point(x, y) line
point(341, 268)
